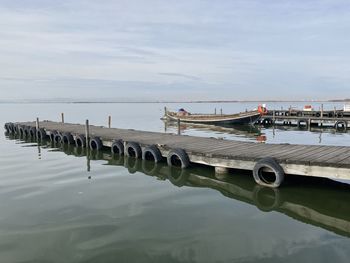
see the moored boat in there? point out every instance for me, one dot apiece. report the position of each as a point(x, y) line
point(247, 117)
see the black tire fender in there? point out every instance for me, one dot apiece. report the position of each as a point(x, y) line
point(271, 164)
point(152, 153)
point(15, 128)
point(6, 126)
point(341, 125)
point(133, 149)
point(41, 134)
point(58, 138)
point(21, 130)
point(176, 156)
point(11, 127)
point(96, 143)
point(80, 141)
point(67, 138)
point(27, 131)
point(117, 147)
point(340, 114)
point(32, 132)
point(301, 121)
point(52, 135)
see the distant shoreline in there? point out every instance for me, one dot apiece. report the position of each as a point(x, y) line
point(171, 102)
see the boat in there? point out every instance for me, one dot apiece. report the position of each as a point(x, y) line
point(247, 117)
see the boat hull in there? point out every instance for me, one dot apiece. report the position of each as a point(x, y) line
point(219, 120)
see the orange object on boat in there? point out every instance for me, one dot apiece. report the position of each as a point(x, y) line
point(308, 108)
point(262, 110)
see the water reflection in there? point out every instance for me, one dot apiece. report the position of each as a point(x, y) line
point(320, 202)
point(247, 131)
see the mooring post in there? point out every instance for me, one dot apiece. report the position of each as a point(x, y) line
point(178, 127)
point(88, 160)
point(335, 110)
point(309, 124)
point(62, 117)
point(221, 111)
point(109, 121)
point(215, 111)
point(321, 122)
point(37, 124)
point(165, 111)
point(273, 116)
point(87, 133)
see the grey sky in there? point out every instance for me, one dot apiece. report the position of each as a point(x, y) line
point(183, 49)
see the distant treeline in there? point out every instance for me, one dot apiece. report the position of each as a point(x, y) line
point(344, 100)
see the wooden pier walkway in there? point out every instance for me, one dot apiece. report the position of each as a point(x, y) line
point(338, 120)
point(263, 159)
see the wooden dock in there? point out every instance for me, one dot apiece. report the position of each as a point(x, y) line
point(338, 120)
point(269, 162)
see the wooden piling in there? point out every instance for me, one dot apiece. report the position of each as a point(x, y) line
point(109, 121)
point(62, 117)
point(88, 160)
point(221, 111)
point(37, 124)
point(215, 111)
point(178, 127)
point(87, 133)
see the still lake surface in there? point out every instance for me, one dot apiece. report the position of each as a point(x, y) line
point(54, 210)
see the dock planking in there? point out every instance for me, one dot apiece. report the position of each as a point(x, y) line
point(307, 160)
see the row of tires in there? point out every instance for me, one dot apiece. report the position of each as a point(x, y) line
point(330, 114)
point(340, 125)
point(176, 157)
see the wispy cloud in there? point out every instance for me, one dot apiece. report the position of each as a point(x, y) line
point(179, 75)
point(224, 49)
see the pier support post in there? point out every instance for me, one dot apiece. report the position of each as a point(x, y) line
point(309, 124)
point(215, 111)
point(87, 133)
point(62, 117)
point(178, 127)
point(221, 170)
point(109, 121)
point(37, 124)
point(221, 111)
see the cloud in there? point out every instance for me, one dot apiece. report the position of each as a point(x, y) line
point(283, 47)
point(190, 77)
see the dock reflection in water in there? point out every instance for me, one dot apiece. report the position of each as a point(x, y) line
point(320, 202)
point(249, 132)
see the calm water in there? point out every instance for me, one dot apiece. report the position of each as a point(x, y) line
point(54, 210)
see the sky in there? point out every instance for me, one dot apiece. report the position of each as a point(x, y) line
point(174, 50)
